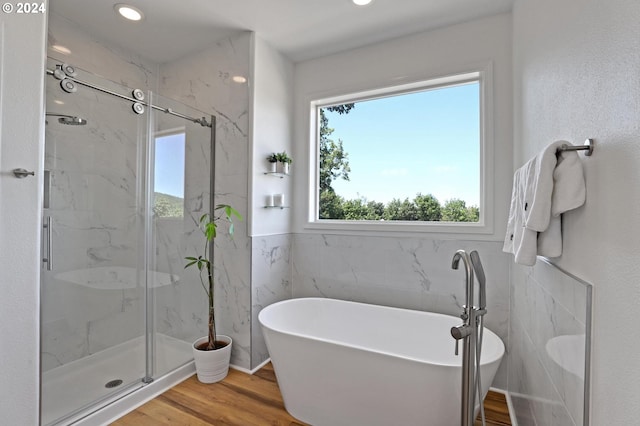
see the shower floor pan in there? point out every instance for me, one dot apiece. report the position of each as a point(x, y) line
point(77, 385)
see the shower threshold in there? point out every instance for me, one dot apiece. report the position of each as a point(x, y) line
point(71, 390)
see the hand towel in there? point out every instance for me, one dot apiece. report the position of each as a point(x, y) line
point(539, 187)
point(546, 186)
point(569, 192)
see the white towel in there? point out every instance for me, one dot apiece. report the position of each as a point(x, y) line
point(543, 188)
point(569, 193)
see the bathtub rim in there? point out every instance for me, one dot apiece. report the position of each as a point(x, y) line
point(489, 360)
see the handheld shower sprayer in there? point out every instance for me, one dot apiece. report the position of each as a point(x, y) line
point(482, 281)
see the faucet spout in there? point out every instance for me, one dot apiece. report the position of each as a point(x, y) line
point(456, 258)
point(468, 269)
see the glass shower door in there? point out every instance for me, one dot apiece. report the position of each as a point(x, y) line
point(93, 291)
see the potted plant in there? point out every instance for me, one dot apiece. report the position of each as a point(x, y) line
point(212, 352)
point(284, 158)
point(273, 161)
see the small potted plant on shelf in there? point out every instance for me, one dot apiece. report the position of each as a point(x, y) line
point(273, 161)
point(284, 158)
point(213, 352)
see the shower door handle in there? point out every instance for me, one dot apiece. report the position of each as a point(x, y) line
point(48, 258)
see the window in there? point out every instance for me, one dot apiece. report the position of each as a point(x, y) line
point(168, 180)
point(409, 154)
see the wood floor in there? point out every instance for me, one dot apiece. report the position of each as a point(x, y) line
point(244, 400)
point(496, 410)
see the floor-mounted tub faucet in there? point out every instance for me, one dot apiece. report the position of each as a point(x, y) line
point(480, 312)
point(467, 332)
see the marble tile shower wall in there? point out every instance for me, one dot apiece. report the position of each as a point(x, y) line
point(409, 272)
point(103, 59)
point(204, 81)
point(546, 346)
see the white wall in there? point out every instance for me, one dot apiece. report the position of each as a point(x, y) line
point(576, 68)
point(272, 112)
point(22, 54)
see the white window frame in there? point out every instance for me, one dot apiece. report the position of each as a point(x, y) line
point(483, 75)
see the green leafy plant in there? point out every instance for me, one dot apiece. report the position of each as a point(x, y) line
point(208, 226)
point(283, 157)
point(273, 158)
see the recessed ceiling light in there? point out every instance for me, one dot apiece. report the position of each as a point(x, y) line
point(239, 79)
point(361, 2)
point(128, 12)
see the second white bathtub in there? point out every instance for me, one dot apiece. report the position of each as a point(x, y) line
point(347, 363)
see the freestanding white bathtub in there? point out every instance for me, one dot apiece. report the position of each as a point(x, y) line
point(347, 363)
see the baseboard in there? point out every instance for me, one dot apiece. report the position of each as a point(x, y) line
point(253, 371)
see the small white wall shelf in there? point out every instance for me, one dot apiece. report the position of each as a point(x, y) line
point(277, 174)
point(277, 207)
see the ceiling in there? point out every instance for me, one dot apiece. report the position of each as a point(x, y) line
point(300, 29)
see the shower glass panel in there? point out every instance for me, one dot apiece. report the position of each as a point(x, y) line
point(123, 193)
point(180, 193)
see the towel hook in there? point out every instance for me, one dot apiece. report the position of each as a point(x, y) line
point(587, 146)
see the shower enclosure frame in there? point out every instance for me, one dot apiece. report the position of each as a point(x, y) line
point(113, 405)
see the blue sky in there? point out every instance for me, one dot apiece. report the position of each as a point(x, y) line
point(425, 142)
point(169, 165)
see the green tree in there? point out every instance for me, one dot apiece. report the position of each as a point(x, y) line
point(455, 210)
point(360, 209)
point(165, 205)
point(473, 214)
point(401, 210)
point(376, 210)
point(429, 208)
point(331, 205)
point(355, 209)
point(334, 162)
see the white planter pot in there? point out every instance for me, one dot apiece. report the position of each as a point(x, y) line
point(212, 366)
point(285, 168)
point(273, 167)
